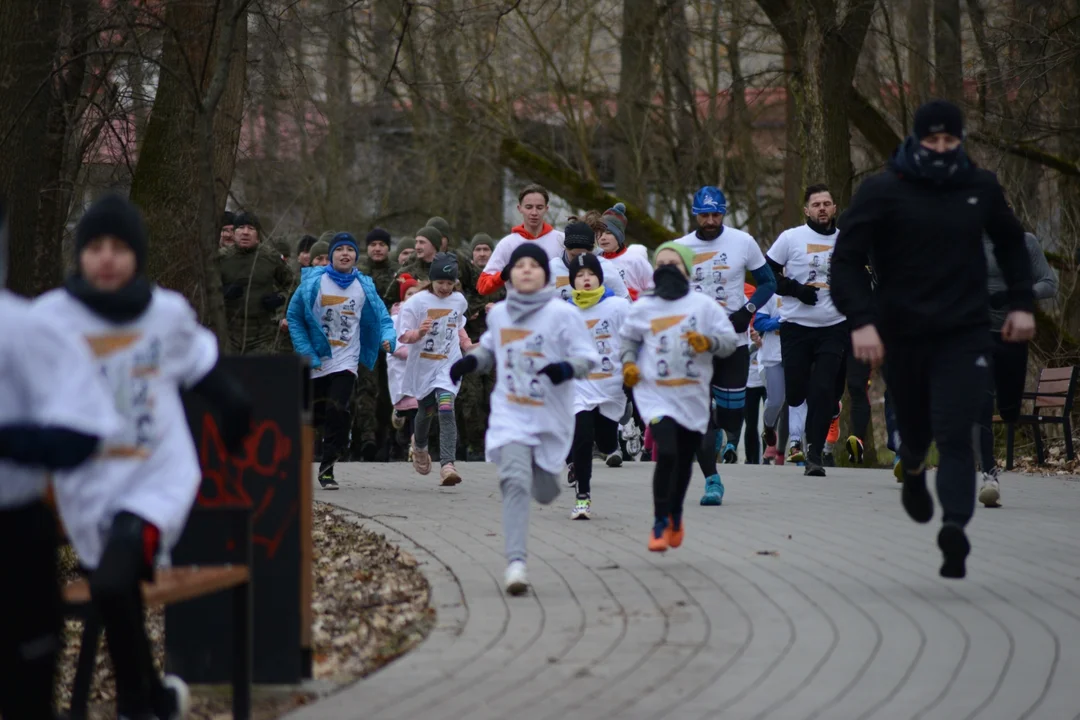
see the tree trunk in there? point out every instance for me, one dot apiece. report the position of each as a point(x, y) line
point(29, 35)
point(634, 98)
point(336, 207)
point(948, 58)
point(168, 184)
point(793, 160)
point(918, 36)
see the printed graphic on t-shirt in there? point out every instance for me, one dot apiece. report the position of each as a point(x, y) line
point(442, 334)
point(708, 275)
point(338, 319)
point(675, 363)
point(562, 284)
point(524, 352)
point(129, 376)
point(820, 261)
point(601, 332)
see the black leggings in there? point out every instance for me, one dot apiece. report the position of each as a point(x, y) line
point(117, 597)
point(590, 426)
point(675, 447)
point(1009, 366)
point(858, 387)
point(754, 397)
point(331, 411)
point(30, 611)
point(814, 373)
point(937, 386)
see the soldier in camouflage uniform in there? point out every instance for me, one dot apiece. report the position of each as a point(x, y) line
point(405, 250)
point(474, 399)
point(419, 265)
point(255, 282)
point(371, 421)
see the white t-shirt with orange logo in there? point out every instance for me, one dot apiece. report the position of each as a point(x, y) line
point(338, 311)
point(430, 358)
point(674, 378)
point(560, 277)
point(720, 267)
point(807, 258)
point(525, 407)
point(604, 387)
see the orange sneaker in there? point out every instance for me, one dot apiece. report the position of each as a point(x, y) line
point(674, 537)
point(658, 537)
point(834, 428)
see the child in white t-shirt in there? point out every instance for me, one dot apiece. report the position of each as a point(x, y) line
point(434, 322)
point(599, 400)
point(767, 326)
point(537, 343)
point(404, 405)
point(132, 500)
point(668, 341)
point(634, 268)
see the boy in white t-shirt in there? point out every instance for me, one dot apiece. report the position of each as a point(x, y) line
point(132, 500)
point(433, 321)
point(814, 334)
point(579, 238)
point(534, 229)
point(338, 321)
point(537, 343)
point(668, 342)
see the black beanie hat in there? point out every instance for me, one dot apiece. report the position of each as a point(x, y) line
point(938, 116)
point(530, 250)
point(305, 243)
point(227, 218)
point(583, 261)
point(117, 216)
point(377, 235)
point(579, 236)
point(443, 267)
point(248, 218)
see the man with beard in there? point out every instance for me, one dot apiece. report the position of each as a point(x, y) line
point(813, 333)
point(919, 225)
point(721, 258)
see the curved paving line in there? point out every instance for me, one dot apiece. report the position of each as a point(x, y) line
point(463, 686)
point(879, 636)
point(539, 599)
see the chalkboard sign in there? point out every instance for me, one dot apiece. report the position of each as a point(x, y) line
point(272, 476)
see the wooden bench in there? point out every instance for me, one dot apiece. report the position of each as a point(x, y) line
point(170, 587)
point(1054, 393)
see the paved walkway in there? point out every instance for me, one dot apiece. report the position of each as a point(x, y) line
point(798, 599)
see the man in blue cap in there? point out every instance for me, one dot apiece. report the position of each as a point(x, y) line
point(722, 257)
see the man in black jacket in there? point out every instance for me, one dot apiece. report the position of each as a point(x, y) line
point(919, 226)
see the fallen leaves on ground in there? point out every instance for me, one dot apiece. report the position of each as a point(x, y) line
point(371, 604)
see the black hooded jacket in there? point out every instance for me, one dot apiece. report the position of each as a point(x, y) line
point(922, 239)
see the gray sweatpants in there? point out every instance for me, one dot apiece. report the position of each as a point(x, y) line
point(518, 476)
point(438, 402)
point(774, 394)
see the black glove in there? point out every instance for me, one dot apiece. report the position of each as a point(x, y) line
point(741, 319)
point(233, 291)
point(999, 300)
point(805, 294)
point(558, 372)
point(463, 367)
point(272, 301)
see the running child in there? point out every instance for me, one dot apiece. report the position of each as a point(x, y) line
point(599, 399)
point(434, 320)
point(338, 321)
point(767, 326)
point(131, 501)
point(634, 269)
point(404, 405)
point(669, 340)
point(536, 342)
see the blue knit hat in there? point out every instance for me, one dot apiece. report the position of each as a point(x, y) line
point(710, 199)
point(344, 238)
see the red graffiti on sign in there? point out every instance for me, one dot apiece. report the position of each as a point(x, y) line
point(250, 479)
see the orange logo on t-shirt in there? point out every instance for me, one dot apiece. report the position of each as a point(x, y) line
point(659, 325)
point(509, 335)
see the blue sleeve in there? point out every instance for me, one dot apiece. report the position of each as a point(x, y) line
point(766, 323)
point(298, 330)
point(386, 323)
point(766, 285)
point(54, 448)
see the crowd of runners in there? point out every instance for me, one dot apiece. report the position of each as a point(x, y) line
point(548, 350)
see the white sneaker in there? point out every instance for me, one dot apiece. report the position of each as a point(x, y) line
point(582, 509)
point(990, 492)
point(180, 691)
point(516, 582)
